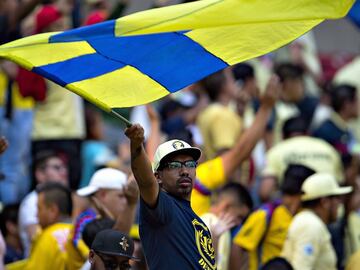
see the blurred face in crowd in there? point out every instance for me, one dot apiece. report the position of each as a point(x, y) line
point(100, 261)
point(353, 108)
point(113, 199)
point(230, 86)
point(47, 214)
point(53, 170)
point(177, 177)
point(332, 205)
point(292, 90)
point(228, 203)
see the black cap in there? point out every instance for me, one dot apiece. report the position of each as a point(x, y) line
point(294, 176)
point(113, 242)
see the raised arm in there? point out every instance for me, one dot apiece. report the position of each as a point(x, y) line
point(247, 141)
point(141, 166)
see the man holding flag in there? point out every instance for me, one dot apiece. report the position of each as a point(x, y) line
point(173, 236)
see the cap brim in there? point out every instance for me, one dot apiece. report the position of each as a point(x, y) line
point(86, 191)
point(343, 190)
point(119, 254)
point(338, 191)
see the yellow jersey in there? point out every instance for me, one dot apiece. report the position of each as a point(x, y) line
point(48, 250)
point(264, 232)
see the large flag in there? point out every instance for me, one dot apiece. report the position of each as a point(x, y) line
point(145, 56)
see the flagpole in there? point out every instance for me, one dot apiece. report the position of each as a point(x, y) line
point(122, 118)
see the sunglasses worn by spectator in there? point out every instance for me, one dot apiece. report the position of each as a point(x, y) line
point(112, 264)
point(179, 164)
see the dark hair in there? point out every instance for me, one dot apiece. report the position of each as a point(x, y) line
point(95, 226)
point(42, 157)
point(277, 263)
point(58, 194)
point(243, 72)
point(241, 193)
point(213, 84)
point(8, 214)
point(347, 160)
point(287, 71)
point(311, 203)
point(294, 125)
point(341, 94)
point(294, 177)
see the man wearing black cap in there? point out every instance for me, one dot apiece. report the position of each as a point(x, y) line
point(111, 249)
point(173, 236)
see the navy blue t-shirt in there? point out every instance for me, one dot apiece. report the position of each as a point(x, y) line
point(174, 237)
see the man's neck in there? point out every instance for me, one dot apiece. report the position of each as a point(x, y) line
point(291, 204)
point(224, 99)
point(321, 213)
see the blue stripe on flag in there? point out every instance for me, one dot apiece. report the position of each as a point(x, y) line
point(78, 69)
point(354, 13)
point(171, 59)
point(83, 33)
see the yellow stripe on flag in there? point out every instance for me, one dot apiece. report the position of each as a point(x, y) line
point(35, 51)
point(131, 86)
point(236, 43)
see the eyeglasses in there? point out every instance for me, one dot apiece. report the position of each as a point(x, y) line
point(110, 264)
point(55, 167)
point(178, 164)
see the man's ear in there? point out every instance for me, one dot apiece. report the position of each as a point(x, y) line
point(54, 211)
point(158, 177)
point(91, 256)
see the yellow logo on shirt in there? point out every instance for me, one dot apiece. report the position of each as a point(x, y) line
point(204, 245)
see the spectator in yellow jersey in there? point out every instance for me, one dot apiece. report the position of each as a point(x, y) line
point(111, 250)
point(308, 243)
point(262, 235)
point(214, 173)
point(54, 210)
point(48, 167)
point(220, 126)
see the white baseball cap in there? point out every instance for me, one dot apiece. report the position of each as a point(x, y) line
point(174, 146)
point(106, 178)
point(321, 185)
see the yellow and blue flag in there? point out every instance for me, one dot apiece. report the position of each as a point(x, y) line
point(144, 56)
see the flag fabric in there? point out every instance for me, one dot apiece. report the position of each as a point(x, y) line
point(354, 13)
point(144, 56)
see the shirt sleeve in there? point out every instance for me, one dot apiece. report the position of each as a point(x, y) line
point(28, 211)
point(210, 174)
point(160, 214)
point(273, 163)
point(252, 232)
